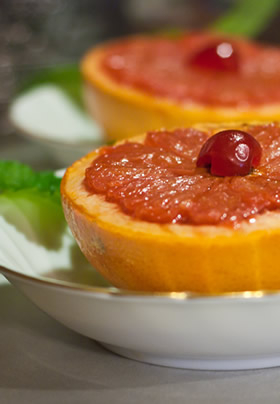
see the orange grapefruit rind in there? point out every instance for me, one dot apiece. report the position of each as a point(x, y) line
point(124, 112)
point(142, 256)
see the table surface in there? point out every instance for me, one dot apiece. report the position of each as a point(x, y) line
point(43, 362)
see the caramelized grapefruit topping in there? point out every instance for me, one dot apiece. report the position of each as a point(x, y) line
point(232, 73)
point(158, 181)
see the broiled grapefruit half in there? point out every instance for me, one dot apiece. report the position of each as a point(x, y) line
point(142, 83)
point(228, 239)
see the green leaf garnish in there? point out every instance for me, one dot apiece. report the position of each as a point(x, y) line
point(15, 176)
point(32, 197)
point(247, 17)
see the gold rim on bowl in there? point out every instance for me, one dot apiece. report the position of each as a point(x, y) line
point(110, 290)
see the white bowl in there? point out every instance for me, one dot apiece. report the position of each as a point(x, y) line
point(234, 331)
point(47, 116)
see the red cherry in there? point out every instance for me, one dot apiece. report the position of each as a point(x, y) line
point(219, 56)
point(230, 152)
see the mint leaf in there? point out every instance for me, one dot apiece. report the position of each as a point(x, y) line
point(16, 176)
point(247, 17)
point(27, 196)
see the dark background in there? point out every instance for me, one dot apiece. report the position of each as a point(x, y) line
point(40, 33)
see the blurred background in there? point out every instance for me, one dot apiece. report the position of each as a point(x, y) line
point(36, 34)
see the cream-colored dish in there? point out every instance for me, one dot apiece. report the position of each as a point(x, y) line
point(47, 116)
point(233, 331)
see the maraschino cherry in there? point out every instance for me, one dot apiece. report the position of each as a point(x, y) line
point(229, 153)
point(219, 56)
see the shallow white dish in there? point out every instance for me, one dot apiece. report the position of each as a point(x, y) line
point(47, 116)
point(237, 331)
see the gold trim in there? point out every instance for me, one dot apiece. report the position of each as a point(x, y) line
point(111, 291)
